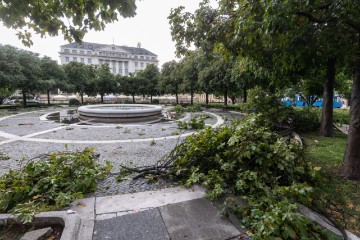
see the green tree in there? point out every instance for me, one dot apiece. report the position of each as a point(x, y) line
point(206, 73)
point(151, 75)
point(10, 68)
point(30, 71)
point(190, 74)
point(129, 85)
point(52, 76)
point(72, 18)
point(221, 83)
point(77, 75)
point(171, 79)
point(105, 81)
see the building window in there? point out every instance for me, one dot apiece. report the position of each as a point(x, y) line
point(120, 70)
point(89, 60)
point(82, 60)
point(141, 57)
point(113, 48)
point(126, 64)
point(147, 58)
point(88, 52)
point(136, 64)
point(107, 53)
point(126, 55)
point(135, 57)
point(152, 58)
point(100, 53)
point(114, 70)
point(101, 61)
point(126, 71)
point(66, 50)
point(75, 59)
point(142, 65)
point(74, 51)
point(81, 51)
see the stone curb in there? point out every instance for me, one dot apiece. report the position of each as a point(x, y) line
point(324, 222)
point(70, 222)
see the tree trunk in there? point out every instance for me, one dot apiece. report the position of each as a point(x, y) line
point(48, 96)
point(192, 98)
point(312, 100)
point(326, 127)
point(82, 98)
point(133, 96)
point(245, 95)
point(24, 98)
point(351, 165)
point(233, 99)
point(225, 97)
point(177, 98)
point(207, 98)
point(102, 97)
point(150, 98)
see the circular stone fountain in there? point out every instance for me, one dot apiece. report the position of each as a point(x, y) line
point(120, 112)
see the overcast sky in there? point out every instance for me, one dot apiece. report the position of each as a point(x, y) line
point(150, 27)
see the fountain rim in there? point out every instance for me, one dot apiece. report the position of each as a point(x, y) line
point(96, 111)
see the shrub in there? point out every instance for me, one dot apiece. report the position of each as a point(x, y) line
point(50, 183)
point(273, 112)
point(341, 116)
point(196, 122)
point(74, 102)
point(178, 109)
point(305, 119)
point(155, 101)
point(194, 108)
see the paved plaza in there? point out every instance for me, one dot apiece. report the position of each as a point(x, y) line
point(27, 135)
point(127, 209)
point(108, 214)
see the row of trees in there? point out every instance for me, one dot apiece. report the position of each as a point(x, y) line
point(26, 71)
point(195, 73)
point(292, 43)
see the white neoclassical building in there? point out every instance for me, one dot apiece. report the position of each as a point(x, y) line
point(121, 59)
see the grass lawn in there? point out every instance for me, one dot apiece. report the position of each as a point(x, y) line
point(339, 197)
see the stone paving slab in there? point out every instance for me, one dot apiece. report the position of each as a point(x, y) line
point(195, 220)
point(147, 225)
point(146, 200)
point(85, 208)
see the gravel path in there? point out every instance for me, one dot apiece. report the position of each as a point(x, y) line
point(118, 153)
point(110, 132)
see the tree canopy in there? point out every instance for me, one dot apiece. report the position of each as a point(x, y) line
point(72, 18)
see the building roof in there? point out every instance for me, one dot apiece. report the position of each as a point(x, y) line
point(95, 46)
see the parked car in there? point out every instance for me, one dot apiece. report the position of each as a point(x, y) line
point(8, 101)
point(32, 101)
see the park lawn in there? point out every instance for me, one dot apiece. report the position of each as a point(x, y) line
point(339, 197)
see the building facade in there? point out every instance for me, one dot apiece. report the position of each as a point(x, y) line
point(121, 59)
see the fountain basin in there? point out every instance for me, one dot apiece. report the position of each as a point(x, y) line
point(119, 111)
